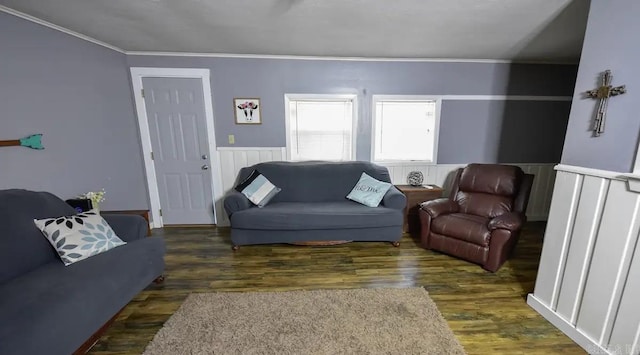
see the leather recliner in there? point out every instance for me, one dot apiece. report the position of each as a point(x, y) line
point(481, 220)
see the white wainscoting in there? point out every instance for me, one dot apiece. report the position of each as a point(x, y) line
point(588, 282)
point(443, 174)
point(232, 159)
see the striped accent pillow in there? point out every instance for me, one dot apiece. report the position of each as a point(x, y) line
point(258, 189)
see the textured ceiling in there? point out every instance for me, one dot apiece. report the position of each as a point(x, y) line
point(547, 30)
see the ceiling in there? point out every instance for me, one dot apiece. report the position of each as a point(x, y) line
point(528, 30)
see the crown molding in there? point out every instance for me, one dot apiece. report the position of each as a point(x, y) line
point(309, 57)
point(41, 22)
point(353, 59)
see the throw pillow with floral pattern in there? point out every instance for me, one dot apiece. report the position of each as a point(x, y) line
point(79, 236)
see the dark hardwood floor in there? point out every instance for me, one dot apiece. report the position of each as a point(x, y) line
point(487, 312)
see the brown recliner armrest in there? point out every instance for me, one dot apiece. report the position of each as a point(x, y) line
point(511, 221)
point(439, 207)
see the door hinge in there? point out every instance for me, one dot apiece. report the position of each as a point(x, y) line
point(142, 92)
point(161, 212)
point(152, 158)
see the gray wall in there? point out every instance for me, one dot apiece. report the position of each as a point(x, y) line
point(502, 131)
point(471, 131)
point(78, 95)
point(611, 42)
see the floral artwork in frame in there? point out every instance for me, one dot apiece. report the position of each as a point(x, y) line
point(247, 111)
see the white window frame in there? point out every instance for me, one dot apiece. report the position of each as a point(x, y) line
point(436, 136)
point(321, 97)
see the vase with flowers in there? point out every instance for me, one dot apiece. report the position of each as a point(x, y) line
point(95, 196)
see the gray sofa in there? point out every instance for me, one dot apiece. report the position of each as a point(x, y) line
point(312, 206)
point(47, 308)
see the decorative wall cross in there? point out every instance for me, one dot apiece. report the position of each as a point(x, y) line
point(602, 94)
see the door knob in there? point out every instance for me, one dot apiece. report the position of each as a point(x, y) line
point(205, 167)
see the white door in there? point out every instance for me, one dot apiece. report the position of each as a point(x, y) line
point(177, 126)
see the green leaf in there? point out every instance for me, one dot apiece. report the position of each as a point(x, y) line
point(55, 235)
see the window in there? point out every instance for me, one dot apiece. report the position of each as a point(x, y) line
point(320, 127)
point(405, 128)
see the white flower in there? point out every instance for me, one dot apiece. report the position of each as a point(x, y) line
point(95, 196)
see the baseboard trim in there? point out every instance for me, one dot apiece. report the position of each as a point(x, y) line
point(564, 326)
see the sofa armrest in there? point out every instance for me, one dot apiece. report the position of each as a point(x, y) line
point(439, 207)
point(234, 202)
point(127, 227)
point(394, 199)
point(511, 221)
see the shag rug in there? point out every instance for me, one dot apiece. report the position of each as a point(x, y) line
point(361, 321)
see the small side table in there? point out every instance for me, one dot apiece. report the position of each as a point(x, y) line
point(415, 196)
point(143, 213)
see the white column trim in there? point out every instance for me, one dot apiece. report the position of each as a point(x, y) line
point(575, 334)
point(566, 238)
point(632, 179)
point(621, 275)
point(607, 174)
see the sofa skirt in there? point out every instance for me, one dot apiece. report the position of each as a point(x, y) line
point(255, 236)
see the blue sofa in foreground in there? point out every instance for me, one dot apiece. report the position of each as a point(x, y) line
point(312, 206)
point(49, 308)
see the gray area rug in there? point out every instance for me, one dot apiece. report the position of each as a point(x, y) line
point(362, 321)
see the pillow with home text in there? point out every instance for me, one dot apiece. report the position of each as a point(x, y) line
point(369, 191)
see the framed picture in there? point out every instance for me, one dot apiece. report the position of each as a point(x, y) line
point(247, 111)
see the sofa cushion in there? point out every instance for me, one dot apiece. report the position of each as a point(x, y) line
point(79, 236)
point(315, 215)
point(315, 181)
point(369, 191)
point(22, 247)
point(466, 227)
point(54, 309)
point(258, 189)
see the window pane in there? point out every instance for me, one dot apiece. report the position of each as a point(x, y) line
point(320, 130)
point(405, 130)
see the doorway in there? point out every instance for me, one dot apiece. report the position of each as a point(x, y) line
point(175, 117)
